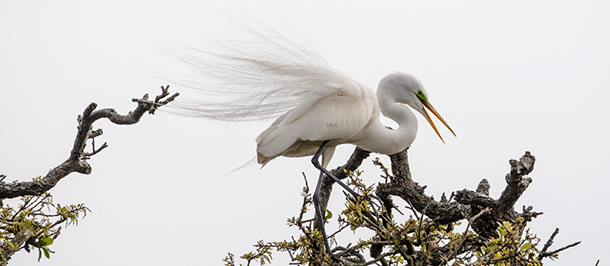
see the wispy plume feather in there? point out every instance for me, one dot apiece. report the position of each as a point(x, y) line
point(255, 74)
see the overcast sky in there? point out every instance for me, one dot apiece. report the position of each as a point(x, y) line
point(509, 78)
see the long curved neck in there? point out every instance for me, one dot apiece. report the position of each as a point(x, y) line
point(381, 139)
point(403, 116)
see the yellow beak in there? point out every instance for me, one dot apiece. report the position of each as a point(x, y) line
point(429, 106)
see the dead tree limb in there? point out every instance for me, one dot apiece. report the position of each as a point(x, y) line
point(467, 203)
point(483, 212)
point(502, 208)
point(402, 185)
point(544, 253)
point(77, 161)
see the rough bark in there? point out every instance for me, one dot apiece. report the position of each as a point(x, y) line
point(402, 185)
point(76, 162)
point(8, 249)
point(468, 204)
point(503, 207)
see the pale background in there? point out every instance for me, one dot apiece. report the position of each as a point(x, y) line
point(511, 77)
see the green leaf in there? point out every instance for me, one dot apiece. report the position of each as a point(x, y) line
point(39, 254)
point(329, 214)
point(525, 246)
point(45, 242)
point(46, 252)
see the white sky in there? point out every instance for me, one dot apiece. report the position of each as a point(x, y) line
point(508, 77)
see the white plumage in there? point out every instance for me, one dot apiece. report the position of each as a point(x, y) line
point(335, 111)
point(265, 75)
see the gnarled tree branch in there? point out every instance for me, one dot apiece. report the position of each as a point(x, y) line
point(483, 212)
point(76, 162)
point(402, 185)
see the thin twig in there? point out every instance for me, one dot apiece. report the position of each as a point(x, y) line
point(543, 254)
point(470, 221)
point(550, 241)
point(421, 221)
point(559, 250)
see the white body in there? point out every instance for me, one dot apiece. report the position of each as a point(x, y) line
point(344, 111)
point(269, 76)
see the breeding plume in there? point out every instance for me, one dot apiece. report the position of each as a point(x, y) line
point(265, 75)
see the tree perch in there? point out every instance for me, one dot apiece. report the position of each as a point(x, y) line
point(76, 162)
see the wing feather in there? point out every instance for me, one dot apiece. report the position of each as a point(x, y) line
point(263, 75)
point(338, 111)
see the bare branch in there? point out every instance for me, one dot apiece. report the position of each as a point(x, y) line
point(543, 253)
point(153, 106)
point(503, 207)
point(517, 183)
point(470, 197)
point(402, 185)
point(76, 162)
point(465, 234)
point(547, 254)
point(550, 241)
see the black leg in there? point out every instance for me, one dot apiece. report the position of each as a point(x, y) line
point(316, 162)
point(316, 205)
point(316, 197)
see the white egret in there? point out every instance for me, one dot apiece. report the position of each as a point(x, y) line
point(266, 75)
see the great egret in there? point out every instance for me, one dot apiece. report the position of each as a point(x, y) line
point(347, 112)
point(266, 75)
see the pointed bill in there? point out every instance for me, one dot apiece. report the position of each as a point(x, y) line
point(429, 107)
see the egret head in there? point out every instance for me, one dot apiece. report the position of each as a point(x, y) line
point(407, 89)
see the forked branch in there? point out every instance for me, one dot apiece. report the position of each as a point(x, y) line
point(76, 162)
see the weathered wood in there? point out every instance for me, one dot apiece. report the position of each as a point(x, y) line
point(76, 162)
point(476, 206)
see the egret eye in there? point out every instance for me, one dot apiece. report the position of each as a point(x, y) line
point(420, 94)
